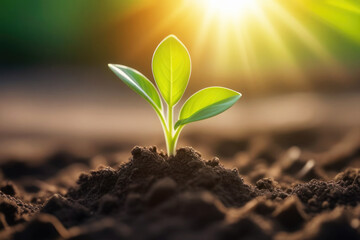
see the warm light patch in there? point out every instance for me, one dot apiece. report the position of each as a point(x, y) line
point(244, 35)
point(228, 9)
point(260, 43)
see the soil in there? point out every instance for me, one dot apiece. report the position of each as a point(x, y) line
point(283, 186)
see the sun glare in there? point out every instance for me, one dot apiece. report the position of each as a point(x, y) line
point(236, 27)
point(252, 39)
point(228, 9)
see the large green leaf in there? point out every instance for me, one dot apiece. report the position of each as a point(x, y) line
point(139, 83)
point(207, 103)
point(171, 68)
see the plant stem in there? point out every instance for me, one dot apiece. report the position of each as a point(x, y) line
point(170, 143)
point(164, 125)
point(176, 136)
point(171, 136)
point(172, 139)
point(162, 120)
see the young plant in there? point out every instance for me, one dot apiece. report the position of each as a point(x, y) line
point(171, 67)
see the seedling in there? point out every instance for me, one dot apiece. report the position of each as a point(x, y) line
point(171, 67)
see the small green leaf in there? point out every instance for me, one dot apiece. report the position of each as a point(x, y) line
point(139, 83)
point(171, 67)
point(207, 103)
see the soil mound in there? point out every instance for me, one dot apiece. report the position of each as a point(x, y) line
point(153, 196)
point(155, 177)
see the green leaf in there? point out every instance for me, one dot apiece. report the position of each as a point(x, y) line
point(207, 103)
point(139, 83)
point(171, 67)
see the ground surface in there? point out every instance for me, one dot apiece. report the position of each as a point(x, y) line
point(295, 184)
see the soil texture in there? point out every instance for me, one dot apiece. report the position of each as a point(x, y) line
point(263, 188)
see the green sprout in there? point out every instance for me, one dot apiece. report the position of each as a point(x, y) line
point(171, 67)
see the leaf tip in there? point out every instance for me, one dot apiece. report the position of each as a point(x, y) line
point(239, 95)
point(172, 36)
point(111, 66)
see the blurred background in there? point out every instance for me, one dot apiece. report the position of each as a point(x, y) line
point(297, 64)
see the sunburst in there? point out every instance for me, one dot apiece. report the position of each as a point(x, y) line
point(250, 39)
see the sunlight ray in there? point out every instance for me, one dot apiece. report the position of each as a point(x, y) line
point(311, 41)
point(280, 46)
point(345, 17)
point(266, 43)
point(243, 50)
point(203, 33)
point(152, 35)
point(302, 32)
point(345, 5)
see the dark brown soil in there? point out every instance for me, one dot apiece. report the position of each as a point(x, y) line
point(287, 194)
